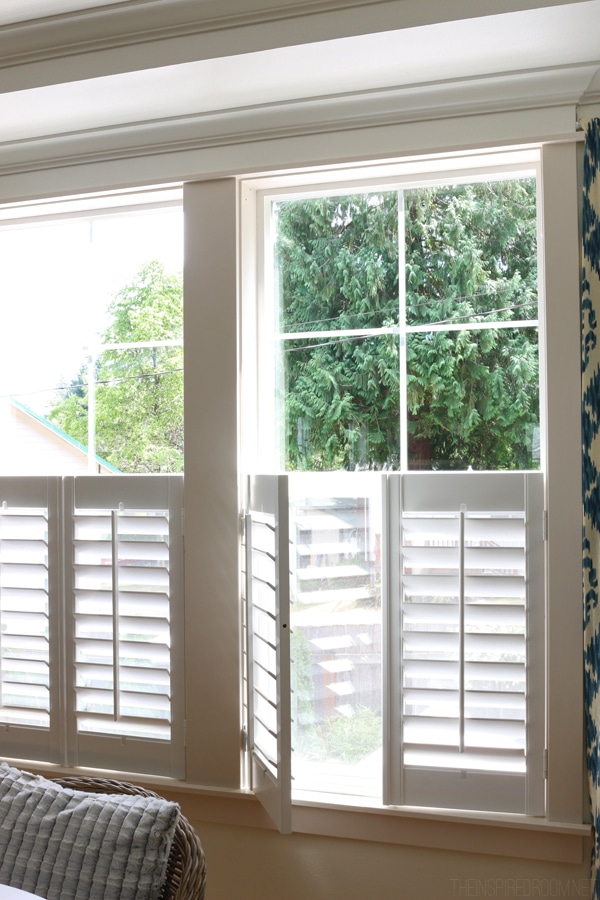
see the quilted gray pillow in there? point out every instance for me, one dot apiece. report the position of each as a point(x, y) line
point(72, 845)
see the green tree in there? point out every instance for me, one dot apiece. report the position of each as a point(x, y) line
point(70, 413)
point(470, 256)
point(139, 391)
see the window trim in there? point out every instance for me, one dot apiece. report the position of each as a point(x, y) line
point(220, 264)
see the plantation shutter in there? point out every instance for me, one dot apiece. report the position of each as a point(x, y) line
point(467, 637)
point(267, 591)
point(125, 647)
point(29, 607)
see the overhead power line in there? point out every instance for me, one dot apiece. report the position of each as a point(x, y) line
point(83, 384)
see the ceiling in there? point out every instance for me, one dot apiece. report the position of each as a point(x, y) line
point(93, 83)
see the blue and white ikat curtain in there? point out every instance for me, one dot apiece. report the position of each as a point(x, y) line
point(590, 413)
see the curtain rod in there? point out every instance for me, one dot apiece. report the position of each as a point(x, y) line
point(579, 123)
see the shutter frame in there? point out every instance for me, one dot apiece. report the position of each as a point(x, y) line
point(39, 497)
point(271, 779)
point(119, 747)
point(471, 787)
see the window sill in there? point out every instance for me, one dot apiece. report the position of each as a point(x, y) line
point(502, 835)
point(521, 837)
point(497, 834)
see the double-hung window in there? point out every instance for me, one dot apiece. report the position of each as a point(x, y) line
point(398, 361)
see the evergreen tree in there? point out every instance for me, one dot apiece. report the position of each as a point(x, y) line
point(470, 257)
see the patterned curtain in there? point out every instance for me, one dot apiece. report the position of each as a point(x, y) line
point(590, 415)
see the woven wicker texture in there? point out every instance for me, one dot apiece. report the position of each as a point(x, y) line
point(186, 869)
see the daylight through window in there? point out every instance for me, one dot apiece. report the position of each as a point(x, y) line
point(92, 378)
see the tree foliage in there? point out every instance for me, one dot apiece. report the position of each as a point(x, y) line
point(469, 257)
point(139, 391)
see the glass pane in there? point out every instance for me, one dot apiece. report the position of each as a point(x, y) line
point(471, 253)
point(346, 397)
point(342, 403)
point(337, 271)
point(473, 399)
point(336, 634)
point(71, 287)
point(338, 261)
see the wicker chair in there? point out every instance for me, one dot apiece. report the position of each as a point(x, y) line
point(186, 868)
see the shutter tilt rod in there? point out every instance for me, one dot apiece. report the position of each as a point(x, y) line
point(115, 612)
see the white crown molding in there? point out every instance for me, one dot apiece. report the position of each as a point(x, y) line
point(132, 35)
point(590, 109)
point(297, 119)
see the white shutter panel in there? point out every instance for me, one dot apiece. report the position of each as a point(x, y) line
point(29, 590)
point(126, 584)
point(468, 577)
point(267, 591)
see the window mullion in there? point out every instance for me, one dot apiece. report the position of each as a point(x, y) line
point(402, 351)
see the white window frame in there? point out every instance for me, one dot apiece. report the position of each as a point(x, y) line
point(559, 328)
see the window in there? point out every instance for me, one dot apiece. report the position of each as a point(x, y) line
point(407, 325)
point(222, 392)
point(399, 333)
point(95, 367)
point(91, 569)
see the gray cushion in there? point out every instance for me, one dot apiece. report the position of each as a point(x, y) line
point(60, 844)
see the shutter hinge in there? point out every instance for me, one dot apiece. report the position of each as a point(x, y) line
point(185, 732)
point(182, 522)
point(243, 524)
point(545, 525)
point(545, 764)
point(244, 740)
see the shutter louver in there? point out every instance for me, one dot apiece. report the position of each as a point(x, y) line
point(125, 598)
point(468, 574)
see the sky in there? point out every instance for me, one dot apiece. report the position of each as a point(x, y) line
point(56, 279)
